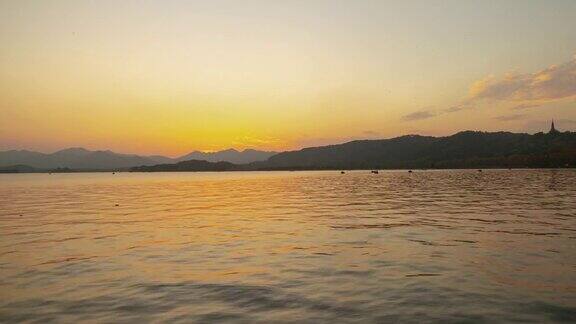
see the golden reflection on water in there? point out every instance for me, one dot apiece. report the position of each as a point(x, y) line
point(261, 245)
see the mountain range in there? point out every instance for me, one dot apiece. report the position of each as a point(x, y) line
point(82, 159)
point(468, 149)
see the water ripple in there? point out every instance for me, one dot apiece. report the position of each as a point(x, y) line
point(292, 247)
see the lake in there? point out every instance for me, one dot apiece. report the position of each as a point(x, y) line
point(271, 247)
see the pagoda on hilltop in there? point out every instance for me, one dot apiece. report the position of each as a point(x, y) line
point(553, 129)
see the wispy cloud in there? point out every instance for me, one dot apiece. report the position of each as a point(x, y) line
point(419, 115)
point(254, 141)
point(525, 106)
point(461, 106)
point(555, 82)
point(510, 117)
point(430, 113)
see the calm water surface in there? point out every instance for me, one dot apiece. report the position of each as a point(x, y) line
point(431, 246)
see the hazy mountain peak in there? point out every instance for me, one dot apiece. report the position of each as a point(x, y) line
point(73, 150)
point(251, 150)
point(20, 151)
point(77, 158)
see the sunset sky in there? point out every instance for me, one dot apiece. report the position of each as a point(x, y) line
point(168, 77)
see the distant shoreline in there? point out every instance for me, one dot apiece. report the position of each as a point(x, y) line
point(285, 170)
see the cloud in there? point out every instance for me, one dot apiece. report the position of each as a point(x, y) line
point(419, 115)
point(555, 82)
point(429, 112)
point(510, 117)
point(525, 106)
point(248, 141)
point(528, 90)
point(458, 107)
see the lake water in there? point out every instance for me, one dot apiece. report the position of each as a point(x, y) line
point(271, 247)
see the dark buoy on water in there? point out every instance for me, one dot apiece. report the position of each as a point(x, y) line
point(342, 172)
point(409, 171)
point(479, 170)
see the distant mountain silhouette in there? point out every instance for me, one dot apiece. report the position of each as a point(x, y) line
point(190, 165)
point(77, 158)
point(159, 159)
point(82, 159)
point(17, 169)
point(230, 155)
point(467, 149)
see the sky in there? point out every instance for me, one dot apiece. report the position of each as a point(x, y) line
point(169, 77)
